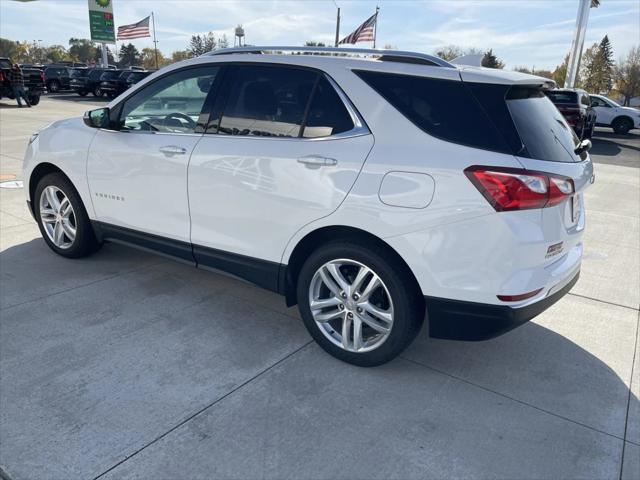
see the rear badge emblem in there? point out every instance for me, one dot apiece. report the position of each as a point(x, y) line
point(554, 250)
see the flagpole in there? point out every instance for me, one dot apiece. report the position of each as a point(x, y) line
point(155, 42)
point(375, 30)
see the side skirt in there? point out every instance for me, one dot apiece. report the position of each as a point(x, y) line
point(262, 273)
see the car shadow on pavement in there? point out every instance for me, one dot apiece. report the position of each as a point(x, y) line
point(3, 104)
point(542, 371)
point(72, 97)
point(611, 152)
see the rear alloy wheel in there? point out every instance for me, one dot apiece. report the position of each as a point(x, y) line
point(359, 306)
point(97, 92)
point(62, 218)
point(622, 126)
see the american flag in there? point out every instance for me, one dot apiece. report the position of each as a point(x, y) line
point(364, 33)
point(135, 30)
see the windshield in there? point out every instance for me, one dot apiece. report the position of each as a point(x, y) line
point(608, 100)
point(542, 128)
point(5, 63)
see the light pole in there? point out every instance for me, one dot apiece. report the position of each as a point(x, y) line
point(578, 41)
point(337, 23)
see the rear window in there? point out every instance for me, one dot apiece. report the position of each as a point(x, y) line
point(562, 97)
point(96, 74)
point(542, 128)
point(78, 73)
point(443, 108)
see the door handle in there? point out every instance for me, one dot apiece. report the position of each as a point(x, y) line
point(317, 161)
point(173, 150)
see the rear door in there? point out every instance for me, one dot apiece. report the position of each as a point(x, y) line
point(283, 148)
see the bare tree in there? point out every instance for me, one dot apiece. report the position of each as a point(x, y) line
point(627, 75)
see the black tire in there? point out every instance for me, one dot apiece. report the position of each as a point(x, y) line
point(85, 242)
point(622, 126)
point(408, 302)
point(34, 100)
point(83, 93)
point(53, 86)
point(97, 92)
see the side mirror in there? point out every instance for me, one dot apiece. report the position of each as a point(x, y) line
point(583, 146)
point(98, 118)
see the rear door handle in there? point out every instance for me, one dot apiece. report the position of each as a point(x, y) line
point(317, 161)
point(173, 150)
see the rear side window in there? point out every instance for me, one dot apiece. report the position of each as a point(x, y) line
point(443, 108)
point(542, 128)
point(327, 114)
point(267, 101)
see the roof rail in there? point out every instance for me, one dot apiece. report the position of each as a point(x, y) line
point(388, 55)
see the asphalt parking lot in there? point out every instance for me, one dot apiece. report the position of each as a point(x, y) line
point(128, 365)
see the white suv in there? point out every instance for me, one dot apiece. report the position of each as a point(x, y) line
point(611, 114)
point(365, 186)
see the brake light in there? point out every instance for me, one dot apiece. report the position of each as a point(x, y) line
point(42, 77)
point(518, 189)
point(1, 77)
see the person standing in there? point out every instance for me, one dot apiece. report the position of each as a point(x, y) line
point(16, 78)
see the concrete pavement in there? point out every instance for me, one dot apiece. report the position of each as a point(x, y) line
point(127, 365)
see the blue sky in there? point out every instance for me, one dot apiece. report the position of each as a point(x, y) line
point(521, 32)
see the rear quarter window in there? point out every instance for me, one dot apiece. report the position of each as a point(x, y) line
point(445, 109)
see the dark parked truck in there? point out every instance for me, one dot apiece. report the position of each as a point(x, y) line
point(78, 80)
point(57, 78)
point(575, 106)
point(115, 86)
point(33, 81)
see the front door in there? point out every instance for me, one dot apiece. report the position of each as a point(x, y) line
point(138, 174)
point(287, 150)
point(604, 111)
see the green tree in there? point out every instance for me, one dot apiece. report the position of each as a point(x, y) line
point(201, 44)
point(180, 55)
point(560, 73)
point(56, 53)
point(8, 48)
point(449, 52)
point(129, 56)
point(491, 61)
point(82, 50)
point(148, 58)
point(598, 67)
point(223, 42)
point(627, 75)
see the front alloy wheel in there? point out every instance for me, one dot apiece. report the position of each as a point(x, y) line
point(58, 217)
point(351, 305)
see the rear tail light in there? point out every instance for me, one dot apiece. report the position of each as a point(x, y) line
point(517, 189)
point(42, 77)
point(1, 77)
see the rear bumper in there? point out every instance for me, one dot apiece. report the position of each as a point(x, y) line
point(470, 321)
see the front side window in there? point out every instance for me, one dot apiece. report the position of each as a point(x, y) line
point(171, 104)
point(585, 100)
point(266, 101)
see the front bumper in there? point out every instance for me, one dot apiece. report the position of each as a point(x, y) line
point(470, 321)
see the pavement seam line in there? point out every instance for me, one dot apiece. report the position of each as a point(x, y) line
point(522, 402)
point(134, 270)
point(205, 408)
point(605, 301)
point(626, 419)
